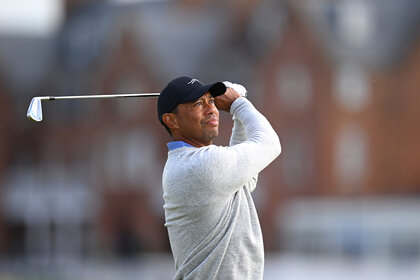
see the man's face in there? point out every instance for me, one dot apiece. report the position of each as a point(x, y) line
point(197, 121)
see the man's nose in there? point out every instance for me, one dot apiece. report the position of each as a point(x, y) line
point(210, 108)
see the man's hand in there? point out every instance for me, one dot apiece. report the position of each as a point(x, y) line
point(237, 87)
point(224, 101)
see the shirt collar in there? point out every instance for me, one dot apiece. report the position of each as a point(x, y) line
point(177, 144)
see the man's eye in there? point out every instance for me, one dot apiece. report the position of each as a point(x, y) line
point(211, 101)
point(197, 104)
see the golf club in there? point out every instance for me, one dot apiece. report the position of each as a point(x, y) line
point(35, 108)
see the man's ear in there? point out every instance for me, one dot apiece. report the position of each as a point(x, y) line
point(169, 119)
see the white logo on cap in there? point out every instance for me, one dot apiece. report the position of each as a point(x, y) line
point(192, 81)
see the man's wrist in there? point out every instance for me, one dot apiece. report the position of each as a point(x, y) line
point(235, 104)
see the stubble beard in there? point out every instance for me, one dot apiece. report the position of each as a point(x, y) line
point(211, 134)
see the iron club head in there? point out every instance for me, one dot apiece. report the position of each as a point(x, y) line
point(35, 110)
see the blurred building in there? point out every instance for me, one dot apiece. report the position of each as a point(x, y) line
point(340, 90)
point(344, 108)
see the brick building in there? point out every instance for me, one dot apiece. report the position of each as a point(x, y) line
point(349, 128)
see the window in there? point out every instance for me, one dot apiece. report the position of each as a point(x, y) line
point(351, 88)
point(299, 167)
point(355, 22)
point(294, 84)
point(351, 156)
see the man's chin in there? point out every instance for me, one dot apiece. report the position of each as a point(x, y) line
point(213, 133)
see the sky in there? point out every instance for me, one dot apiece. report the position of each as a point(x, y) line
point(30, 18)
point(38, 17)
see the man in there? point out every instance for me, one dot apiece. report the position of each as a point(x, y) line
point(211, 219)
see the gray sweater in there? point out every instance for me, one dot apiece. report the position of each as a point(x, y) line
point(211, 219)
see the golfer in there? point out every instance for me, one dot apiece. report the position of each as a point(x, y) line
point(211, 219)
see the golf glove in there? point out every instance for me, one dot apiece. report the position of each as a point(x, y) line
point(237, 87)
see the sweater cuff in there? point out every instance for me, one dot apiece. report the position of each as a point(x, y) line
point(237, 103)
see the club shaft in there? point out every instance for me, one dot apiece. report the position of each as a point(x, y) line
point(96, 96)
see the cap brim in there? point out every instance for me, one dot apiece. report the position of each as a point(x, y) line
point(215, 89)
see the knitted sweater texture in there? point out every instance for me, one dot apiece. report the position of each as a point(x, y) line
point(211, 219)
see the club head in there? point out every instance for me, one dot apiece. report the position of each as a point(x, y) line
point(35, 110)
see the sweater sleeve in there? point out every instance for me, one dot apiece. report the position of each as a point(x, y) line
point(239, 136)
point(238, 132)
point(254, 146)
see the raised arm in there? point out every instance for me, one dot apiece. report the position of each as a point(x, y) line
point(229, 168)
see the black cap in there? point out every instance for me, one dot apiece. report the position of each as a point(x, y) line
point(185, 89)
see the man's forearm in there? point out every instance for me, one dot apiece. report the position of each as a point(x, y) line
point(256, 126)
point(238, 132)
